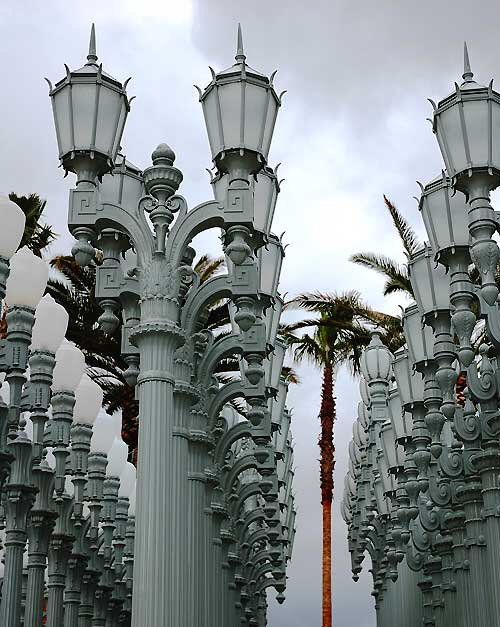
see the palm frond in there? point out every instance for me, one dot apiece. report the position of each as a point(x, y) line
point(396, 274)
point(406, 233)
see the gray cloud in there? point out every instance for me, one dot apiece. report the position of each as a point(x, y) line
point(352, 127)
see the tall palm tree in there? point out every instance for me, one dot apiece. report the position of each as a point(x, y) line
point(337, 335)
point(395, 273)
point(75, 290)
point(398, 280)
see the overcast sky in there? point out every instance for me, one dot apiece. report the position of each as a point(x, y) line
point(352, 127)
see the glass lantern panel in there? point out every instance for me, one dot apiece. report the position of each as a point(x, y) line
point(109, 116)
point(264, 202)
point(62, 119)
point(120, 128)
point(396, 414)
point(476, 122)
point(445, 217)
point(212, 121)
point(256, 102)
point(389, 445)
point(430, 282)
point(277, 364)
point(402, 372)
point(272, 319)
point(270, 259)
point(419, 339)
point(278, 403)
point(272, 112)
point(449, 131)
point(83, 97)
point(495, 134)
point(230, 104)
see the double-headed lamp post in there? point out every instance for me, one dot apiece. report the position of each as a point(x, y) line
point(146, 278)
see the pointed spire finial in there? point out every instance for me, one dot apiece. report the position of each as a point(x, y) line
point(240, 55)
point(468, 74)
point(92, 56)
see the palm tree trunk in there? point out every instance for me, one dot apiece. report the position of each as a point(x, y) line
point(130, 423)
point(460, 386)
point(327, 463)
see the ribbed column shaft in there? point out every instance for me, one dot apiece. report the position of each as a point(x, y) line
point(34, 597)
point(59, 551)
point(197, 537)
point(489, 467)
point(160, 568)
point(460, 575)
point(216, 573)
point(100, 606)
point(86, 610)
point(10, 614)
point(55, 602)
point(478, 600)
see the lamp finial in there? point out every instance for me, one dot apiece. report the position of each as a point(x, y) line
point(92, 56)
point(468, 74)
point(240, 55)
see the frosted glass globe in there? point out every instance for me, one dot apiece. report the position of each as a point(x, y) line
point(117, 458)
point(50, 458)
point(13, 221)
point(27, 279)
point(70, 364)
point(88, 401)
point(69, 487)
point(127, 480)
point(51, 323)
point(103, 434)
point(117, 420)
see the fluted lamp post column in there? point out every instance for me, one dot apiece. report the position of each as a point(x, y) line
point(51, 321)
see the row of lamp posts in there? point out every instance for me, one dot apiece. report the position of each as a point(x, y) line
point(422, 494)
point(214, 523)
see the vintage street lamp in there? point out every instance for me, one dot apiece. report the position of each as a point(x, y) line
point(146, 281)
point(469, 139)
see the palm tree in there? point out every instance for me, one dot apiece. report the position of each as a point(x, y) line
point(340, 332)
point(398, 280)
point(76, 292)
point(37, 235)
point(396, 274)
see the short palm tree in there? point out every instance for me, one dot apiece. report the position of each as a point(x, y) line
point(37, 235)
point(76, 292)
point(338, 335)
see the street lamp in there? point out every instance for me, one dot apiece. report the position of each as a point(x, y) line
point(445, 497)
point(146, 282)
